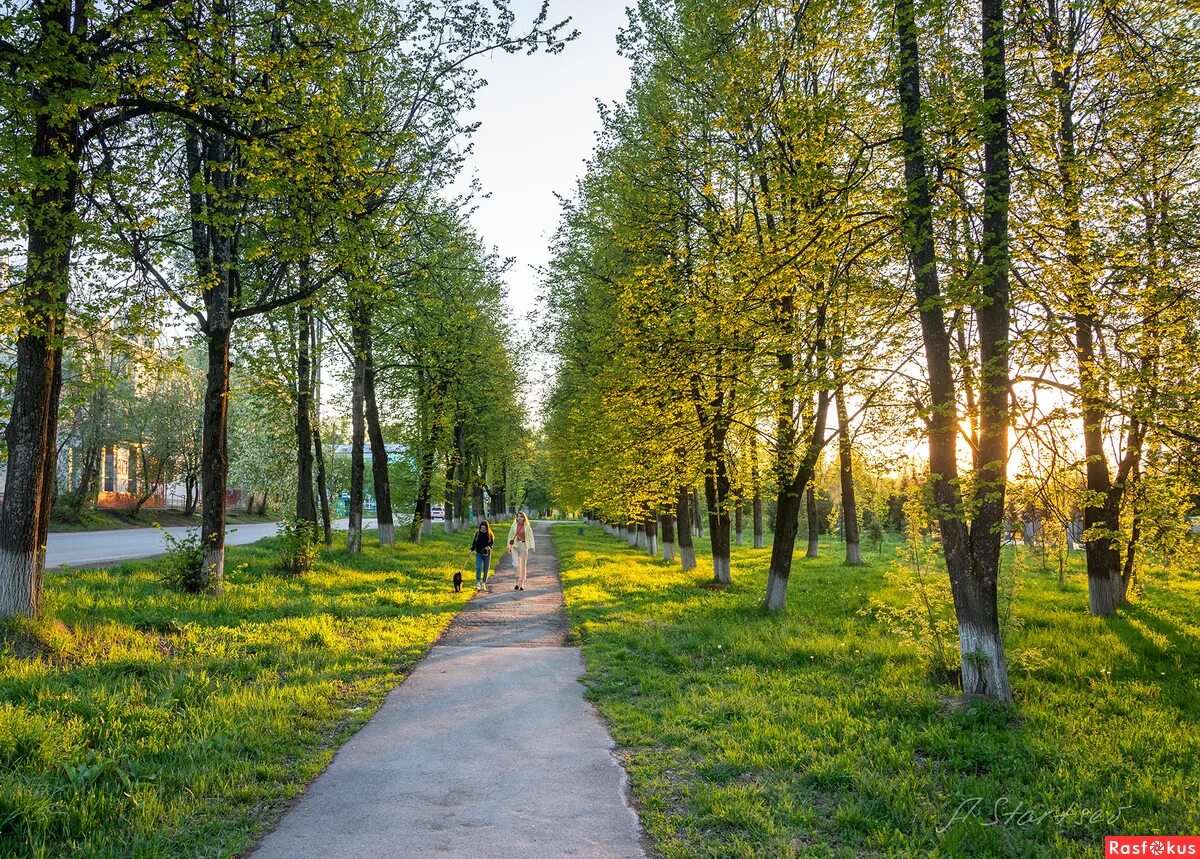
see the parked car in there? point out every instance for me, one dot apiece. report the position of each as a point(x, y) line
point(437, 513)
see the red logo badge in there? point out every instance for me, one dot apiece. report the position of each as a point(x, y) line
point(1152, 845)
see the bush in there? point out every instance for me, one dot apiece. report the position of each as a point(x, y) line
point(297, 545)
point(873, 530)
point(182, 567)
point(926, 620)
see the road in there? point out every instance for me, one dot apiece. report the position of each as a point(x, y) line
point(97, 548)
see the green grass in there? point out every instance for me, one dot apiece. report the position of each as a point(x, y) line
point(92, 519)
point(157, 724)
point(817, 733)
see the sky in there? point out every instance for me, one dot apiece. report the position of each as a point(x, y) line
point(538, 126)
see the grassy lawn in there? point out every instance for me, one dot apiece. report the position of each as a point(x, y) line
point(113, 520)
point(818, 733)
point(156, 724)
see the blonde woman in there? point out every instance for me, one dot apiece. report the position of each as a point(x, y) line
point(520, 543)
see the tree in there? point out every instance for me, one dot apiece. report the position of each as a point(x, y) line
point(60, 95)
point(971, 546)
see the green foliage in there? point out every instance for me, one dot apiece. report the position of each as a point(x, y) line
point(147, 722)
point(297, 541)
point(819, 733)
point(873, 530)
point(920, 610)
point(182, 566)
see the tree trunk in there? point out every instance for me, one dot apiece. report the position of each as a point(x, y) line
point(213, 250)
point(697, 513)
point(972, 555)
point(318, 448)
point(421, 512)
point(813, 522)
point(668, 537)
point(739, 520)
point(1100, 513)
point(461, 489)
point(33, 423)
point(85, 492)
point(306, 508)
point(651, 529)
point(716, 491)
point(214, 462)
point(448, 495)
point(380, 473)
point(787, 525)
point(354, 535)
point(985, 670)
point(322, 484)
point(756, 504)
point(683, 515)
point(791, 496)
point(850, 526)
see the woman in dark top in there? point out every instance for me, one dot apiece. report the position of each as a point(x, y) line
point(482, 547)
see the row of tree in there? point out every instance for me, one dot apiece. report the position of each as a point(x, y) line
point(276, 175)
point(850, 224)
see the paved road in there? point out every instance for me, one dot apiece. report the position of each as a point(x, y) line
point(488, 749)
point(95, 548)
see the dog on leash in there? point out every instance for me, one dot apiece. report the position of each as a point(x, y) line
point(458, 581)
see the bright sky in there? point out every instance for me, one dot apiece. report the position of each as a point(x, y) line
point(539, 123)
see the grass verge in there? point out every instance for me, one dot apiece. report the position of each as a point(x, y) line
point(114, 520)
point(143, 722)
point(818, 733)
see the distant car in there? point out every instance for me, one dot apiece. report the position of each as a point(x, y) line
point(437, 513)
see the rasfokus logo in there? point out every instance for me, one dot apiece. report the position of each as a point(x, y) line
point(1152, 845)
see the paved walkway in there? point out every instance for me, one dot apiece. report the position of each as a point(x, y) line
point(488, 749)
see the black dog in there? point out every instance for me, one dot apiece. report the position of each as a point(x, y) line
point(458, 582)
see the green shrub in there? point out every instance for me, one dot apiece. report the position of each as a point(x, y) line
point(926, 620)
point(297, 545)
point(182, 567)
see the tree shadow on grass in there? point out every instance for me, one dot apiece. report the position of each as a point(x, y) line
point(815, 726)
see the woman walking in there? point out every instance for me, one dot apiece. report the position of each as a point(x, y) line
point(481, 545)
point(520, 541)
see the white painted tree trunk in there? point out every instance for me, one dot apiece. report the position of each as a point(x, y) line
point(776, 593)
point(687, 558)
point(17, 596)
point(722, 573)
point(668, 551)
point(984, 668)
point(387, 534)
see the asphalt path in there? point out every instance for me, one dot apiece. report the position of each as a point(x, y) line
point(488, 750)
point(97, 548)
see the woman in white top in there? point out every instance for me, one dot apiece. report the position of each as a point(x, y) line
point(520, 541)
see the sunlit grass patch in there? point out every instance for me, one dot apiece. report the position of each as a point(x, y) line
point(820, 733)
point(144, 722)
